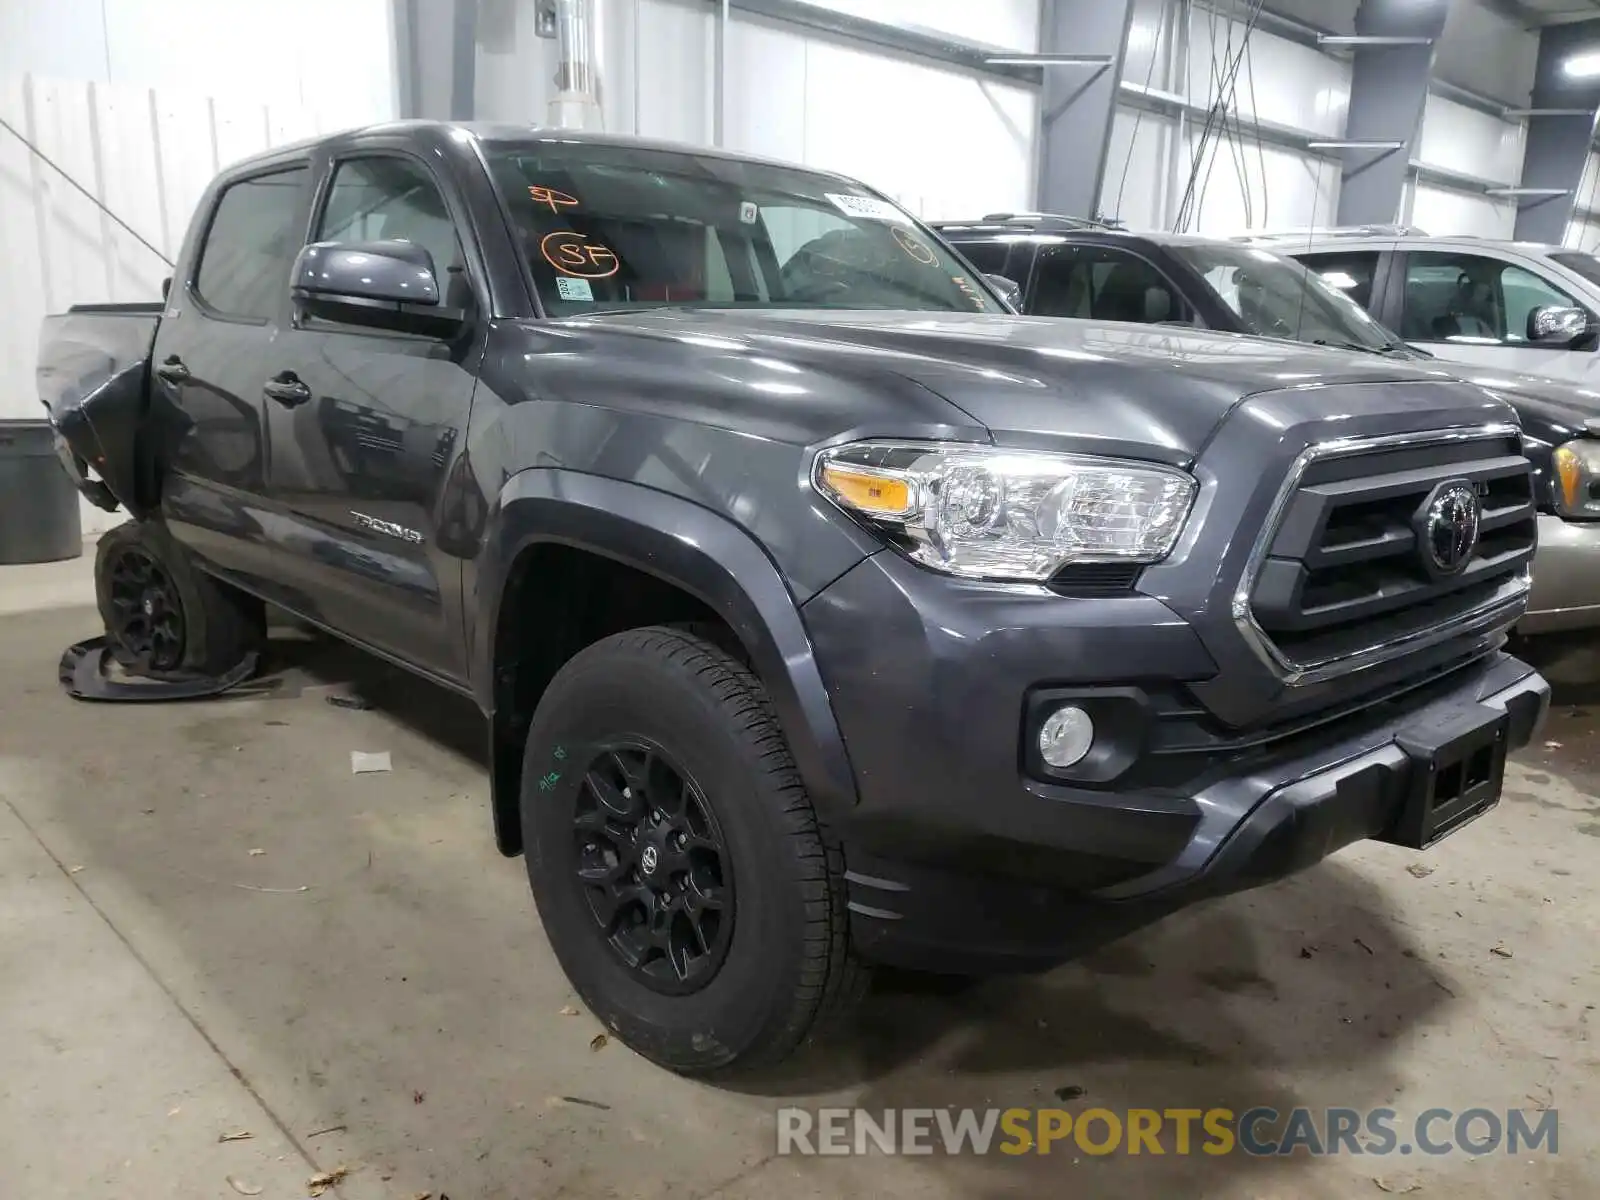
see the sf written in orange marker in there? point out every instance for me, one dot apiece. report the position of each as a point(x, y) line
point(571, 254)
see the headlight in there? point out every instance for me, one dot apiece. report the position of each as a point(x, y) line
point(1007, 514)
point(1577, 468)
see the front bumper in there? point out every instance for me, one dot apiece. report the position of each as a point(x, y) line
point(1566, 577)
point(962, 854)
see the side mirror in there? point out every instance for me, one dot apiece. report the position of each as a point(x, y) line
point(1010, 290)
point(1553, 325)
point(380, 285)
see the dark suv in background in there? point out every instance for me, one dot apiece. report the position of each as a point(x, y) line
point(1070, 267)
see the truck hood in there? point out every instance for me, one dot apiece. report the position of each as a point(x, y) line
point(1145, 391)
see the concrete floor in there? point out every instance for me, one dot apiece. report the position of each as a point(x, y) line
point(377, 968)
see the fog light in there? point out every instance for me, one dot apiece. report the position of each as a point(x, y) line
point(1065, 737)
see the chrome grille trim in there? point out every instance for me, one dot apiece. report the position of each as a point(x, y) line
point(1508, 603)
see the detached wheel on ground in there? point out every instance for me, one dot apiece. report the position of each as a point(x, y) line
point(162, 616)
point(678, 866)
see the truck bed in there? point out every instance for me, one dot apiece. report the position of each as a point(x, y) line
point(94, 362)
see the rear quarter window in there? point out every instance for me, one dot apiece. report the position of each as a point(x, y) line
point(988, 257)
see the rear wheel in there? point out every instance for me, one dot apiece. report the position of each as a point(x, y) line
point(162, 616)
point(682, 876)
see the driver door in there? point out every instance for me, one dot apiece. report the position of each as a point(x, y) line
point(373, 428)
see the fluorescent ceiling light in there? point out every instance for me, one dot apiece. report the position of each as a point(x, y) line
point(1582, 66)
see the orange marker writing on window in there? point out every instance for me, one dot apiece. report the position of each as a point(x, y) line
point(571, 254)
point(556, 200)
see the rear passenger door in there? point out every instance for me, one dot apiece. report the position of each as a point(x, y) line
point(218, 328)
point(371, 425)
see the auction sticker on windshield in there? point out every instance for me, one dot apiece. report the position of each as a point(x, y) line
point(866, 206)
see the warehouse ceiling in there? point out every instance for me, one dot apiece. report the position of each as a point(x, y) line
point(1552, 12)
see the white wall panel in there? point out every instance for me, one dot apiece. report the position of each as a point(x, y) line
point(1013, 24)
point(1145, 60)
point(336, 56)
point(61, 38)
point(1458, 138)
point(1583, 230)
point(1134, 190)
point(1293, 84)
point(1487, 53)
point(1336, 16)
point(1280, 189)
point(799, 96)
point(1583, 233)
point(767, 71)
point(893, 127)
point(515, 76)
point(676, 51)
point(901, 141)
point(1445, 212)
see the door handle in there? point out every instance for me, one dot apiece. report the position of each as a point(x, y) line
point(286, 389)
point(173, 370)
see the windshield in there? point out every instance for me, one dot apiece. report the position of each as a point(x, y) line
point(1586, 265)
point(1277, 297)
point(611, 227)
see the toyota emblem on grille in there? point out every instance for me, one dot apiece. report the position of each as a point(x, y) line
point(1447, 527)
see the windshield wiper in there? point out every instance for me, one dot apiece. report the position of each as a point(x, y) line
point(1367, 348)
point(1384, 349)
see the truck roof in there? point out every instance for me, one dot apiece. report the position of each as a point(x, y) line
point(501, 134)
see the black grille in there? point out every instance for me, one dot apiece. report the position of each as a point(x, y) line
point(1095, 579)
point(1345, 572)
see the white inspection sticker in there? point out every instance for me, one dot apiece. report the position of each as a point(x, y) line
point(867, 206)
point(574, 289)
point(748, 212)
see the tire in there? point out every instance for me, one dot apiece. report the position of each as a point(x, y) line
point(145, 581)
point(786, 969)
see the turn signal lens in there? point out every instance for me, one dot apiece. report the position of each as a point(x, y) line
point(1569, 472)
point(867, 491)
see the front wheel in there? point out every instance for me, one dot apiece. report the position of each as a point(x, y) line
point(678, 866)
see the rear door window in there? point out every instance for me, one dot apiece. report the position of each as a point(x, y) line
point(256, 230)
point(1105, 283)
point(1351, 272)
point(988, 257)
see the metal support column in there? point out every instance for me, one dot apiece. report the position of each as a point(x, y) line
point(1393, 44)
point(436, 58)
point(1561, 127)
point(1082, 45)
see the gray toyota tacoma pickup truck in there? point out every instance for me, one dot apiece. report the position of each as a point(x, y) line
point(823, 612)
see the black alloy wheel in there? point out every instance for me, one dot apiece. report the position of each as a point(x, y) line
point(146, 618)
point(653, 867)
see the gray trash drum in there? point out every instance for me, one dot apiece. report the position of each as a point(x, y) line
point(39, 516)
